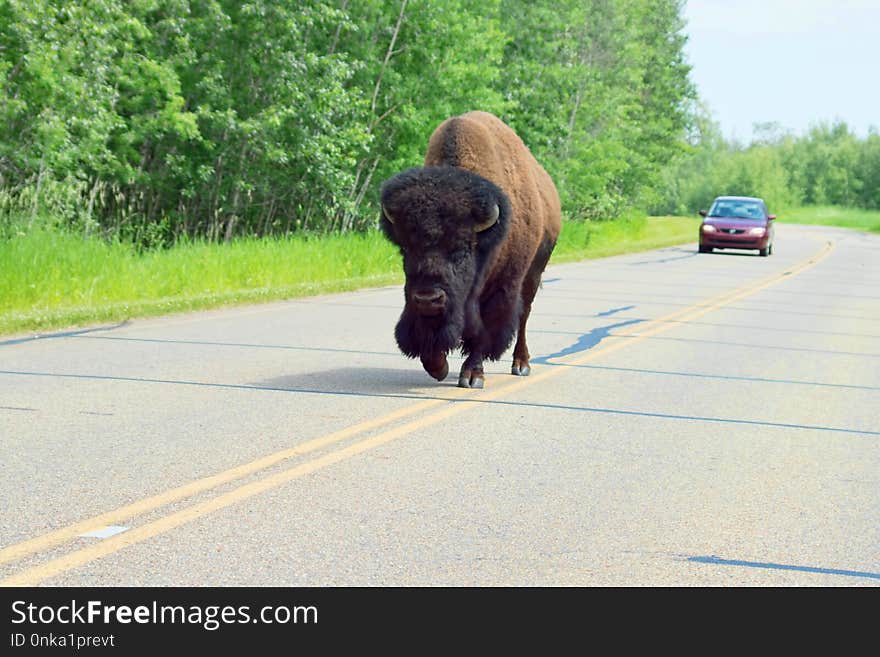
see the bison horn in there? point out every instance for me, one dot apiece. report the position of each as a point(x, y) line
point(387, 215)
point(493, 217)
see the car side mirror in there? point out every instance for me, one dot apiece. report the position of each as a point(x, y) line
point(703, 213)
point(771, 217)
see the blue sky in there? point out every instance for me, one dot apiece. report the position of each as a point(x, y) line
point(795, 62)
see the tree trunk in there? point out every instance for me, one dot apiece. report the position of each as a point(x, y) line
point(388, 54)
point(360, 197)
point(338, 30)
point(36, 204)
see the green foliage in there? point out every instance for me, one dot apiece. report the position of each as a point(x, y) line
point(826, 166)
point(152, 121)
point(601, 95)
point(419, 63)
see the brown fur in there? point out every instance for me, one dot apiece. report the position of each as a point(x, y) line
point(489, 147)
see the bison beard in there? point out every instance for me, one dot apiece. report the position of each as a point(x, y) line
point(475, 226)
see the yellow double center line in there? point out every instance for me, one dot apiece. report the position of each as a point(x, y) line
point(455, 403)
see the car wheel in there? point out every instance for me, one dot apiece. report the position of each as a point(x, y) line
point(770, 249)
point(705, 249)
point(764, 252)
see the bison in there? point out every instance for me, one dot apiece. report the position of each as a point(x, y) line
point(476, 226)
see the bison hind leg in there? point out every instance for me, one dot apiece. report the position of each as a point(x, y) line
point(531, 283)
point(520, 367)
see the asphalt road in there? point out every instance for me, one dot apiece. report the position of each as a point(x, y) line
point(690, 420)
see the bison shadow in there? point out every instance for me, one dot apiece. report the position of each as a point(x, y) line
point(362, 381)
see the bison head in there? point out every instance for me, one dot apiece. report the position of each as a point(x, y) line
point(447, 223)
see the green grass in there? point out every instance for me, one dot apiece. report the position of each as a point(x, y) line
point(581, 241)
point(50, 279)
point(833, 216)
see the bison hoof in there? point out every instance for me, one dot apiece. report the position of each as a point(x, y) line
point(471, 379)
point(519, 368)
point(439, 368)
point(465, 382)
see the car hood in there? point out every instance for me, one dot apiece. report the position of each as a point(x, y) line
point(731, 222)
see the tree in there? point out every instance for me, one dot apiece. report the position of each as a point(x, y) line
point(152, 120)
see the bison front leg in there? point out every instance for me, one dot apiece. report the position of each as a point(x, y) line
point(436, 365)
point(489, 334)
point(473, 346)
point(471, 375)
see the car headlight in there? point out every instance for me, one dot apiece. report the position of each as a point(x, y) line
point(757, 231)
point(708, 228)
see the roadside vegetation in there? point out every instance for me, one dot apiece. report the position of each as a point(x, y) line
point(827, 168)
point(169, 120)
point(856, 218)
point(52, 279)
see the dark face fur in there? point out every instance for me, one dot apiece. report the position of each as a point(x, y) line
point(442, 219)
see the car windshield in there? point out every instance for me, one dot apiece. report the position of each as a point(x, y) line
point(737, 209)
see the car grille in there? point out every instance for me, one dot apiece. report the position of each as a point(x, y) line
point(741, 242)
point(732, 231)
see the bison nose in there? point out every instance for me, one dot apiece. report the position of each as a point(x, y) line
point(429, 302)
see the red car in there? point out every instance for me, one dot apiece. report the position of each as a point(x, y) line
point(737, 222)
